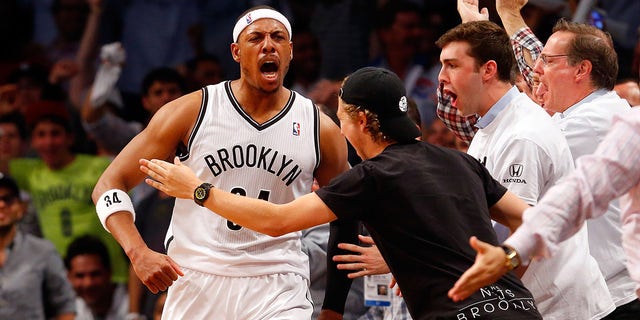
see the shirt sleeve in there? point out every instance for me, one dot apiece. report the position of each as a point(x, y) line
point(338, 283)
point(599, 178)
point(525, 41)
point(351, 194)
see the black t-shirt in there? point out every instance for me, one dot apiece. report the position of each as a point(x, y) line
point(421, 204)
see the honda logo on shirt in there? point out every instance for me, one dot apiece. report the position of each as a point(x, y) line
point(515, 170)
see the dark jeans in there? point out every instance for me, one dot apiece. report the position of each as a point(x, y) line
point(629, 311)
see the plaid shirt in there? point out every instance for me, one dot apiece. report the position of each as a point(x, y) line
point(464, 127)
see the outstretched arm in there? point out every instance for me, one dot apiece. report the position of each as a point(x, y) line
point(526, 45)
point(584, 194)
point(178, 180)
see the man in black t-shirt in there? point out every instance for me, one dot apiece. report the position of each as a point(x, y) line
point(420, 203)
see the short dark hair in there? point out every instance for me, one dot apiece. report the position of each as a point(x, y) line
point(594, 45)
point(10, 184)
point(163, 74)
point(487, 41)
point(87, 244)
point(49, 111)
point(16, 118)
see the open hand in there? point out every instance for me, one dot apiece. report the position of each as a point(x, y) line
point(174, 179)
point(469, 11)
point(366, 261)
point(487, 269)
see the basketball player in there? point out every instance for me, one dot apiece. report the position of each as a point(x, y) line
point(418, 201)
point(254, 138)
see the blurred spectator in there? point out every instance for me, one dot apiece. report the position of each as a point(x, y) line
point(16, 29)
point(13, 139)
point(440, 135)
point(218, 19)
point(13, 145)
point(400, 31)
point(70, 17)
point(60, 184)
point(201, 71)
point(343, 29)
point(314, 244)
point(89, 271)
point(622, 22)
point(34, 285)
point(304, 71)
point(154, 34)
point(26, 85)
point(110, 131)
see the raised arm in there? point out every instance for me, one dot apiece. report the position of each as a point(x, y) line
point(87, 53)
point(526, 45)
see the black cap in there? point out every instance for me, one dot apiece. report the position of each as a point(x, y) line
point(9, 183)
point(381, 92)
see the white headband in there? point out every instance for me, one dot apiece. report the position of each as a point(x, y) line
point(254, 15)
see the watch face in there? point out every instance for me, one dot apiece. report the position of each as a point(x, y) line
point(200, 193)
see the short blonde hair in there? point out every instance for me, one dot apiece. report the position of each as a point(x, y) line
point(373, 124)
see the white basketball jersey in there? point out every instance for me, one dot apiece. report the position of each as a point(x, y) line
point(273, 161)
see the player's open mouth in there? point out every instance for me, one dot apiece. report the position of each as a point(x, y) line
point(269, 68)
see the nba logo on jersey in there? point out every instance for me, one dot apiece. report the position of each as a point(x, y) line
point(248, 17)
point(296, 129)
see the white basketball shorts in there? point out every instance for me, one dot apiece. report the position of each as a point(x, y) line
point(198, 295)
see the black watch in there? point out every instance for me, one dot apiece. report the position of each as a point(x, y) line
point(512, 260)
point(201, 193)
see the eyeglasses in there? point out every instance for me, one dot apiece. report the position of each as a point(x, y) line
point(8, 199)
point(545, 58)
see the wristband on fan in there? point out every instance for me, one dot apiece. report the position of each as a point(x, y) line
point(112, 201)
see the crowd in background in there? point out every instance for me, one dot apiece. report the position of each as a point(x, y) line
point(80, 78)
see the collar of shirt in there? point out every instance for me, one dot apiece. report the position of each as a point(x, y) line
point(592, 96)
point(496, 108)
